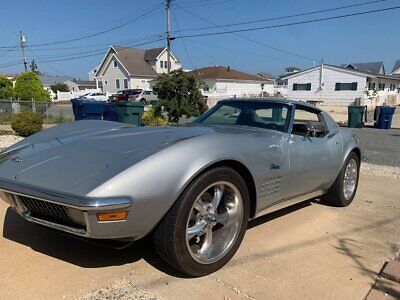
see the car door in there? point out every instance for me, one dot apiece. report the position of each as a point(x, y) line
point(313, 159)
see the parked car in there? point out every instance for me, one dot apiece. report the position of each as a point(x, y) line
point(146, 97)
point(193, 188)
point(125, 94)
point(95, 96)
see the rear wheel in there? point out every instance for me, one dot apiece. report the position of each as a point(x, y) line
point(344, 189)
point(143, 101)
point(206, 225)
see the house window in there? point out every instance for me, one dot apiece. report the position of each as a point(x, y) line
point(392, 87)
point(125, 83)
point(301, 86)
point(381, 86)
point(206, 88)
point(105, 82)
point(347, 86)
point(371, 85)
point(117, 85)
point(115, 64)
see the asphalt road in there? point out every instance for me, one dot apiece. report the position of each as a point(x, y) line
point(381, 147)
point(309, 251)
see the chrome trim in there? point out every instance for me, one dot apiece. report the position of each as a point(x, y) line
point(66, 199)
point(288, 202)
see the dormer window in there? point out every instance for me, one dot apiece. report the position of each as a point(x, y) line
point(115, 64)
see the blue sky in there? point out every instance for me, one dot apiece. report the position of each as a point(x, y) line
point(364, 38)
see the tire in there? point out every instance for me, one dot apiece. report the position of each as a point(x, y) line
point(336, 194)
point(192, 256)
point(143, 101)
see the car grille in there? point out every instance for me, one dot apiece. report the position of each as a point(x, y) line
point(49, 212)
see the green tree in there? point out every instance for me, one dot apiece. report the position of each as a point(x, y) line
point(28, 87)
point(179, 94)
point(6, 88)
point(59, 87)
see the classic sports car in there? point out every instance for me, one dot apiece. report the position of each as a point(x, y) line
point(192, 187)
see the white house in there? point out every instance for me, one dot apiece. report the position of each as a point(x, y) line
point(224, 82)
point(396, 68)
point(129, 68)
point(343, 85)
point(92, 73)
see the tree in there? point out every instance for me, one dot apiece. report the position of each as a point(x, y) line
point(6, 88)
point(28, 87)
point(59, 87)
point(179, 94)
point(34, 68)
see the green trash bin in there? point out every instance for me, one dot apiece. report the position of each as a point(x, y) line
point(356, 116)
point(129, 112)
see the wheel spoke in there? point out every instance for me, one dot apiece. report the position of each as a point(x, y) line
point(218, 192)
point(196, 230)
point(223, 218)
point(200, 207)
point(205, 250)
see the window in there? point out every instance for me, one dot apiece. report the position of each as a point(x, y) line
point(224, 115)
point(381, 86)
point(105, 82)
point(371, 85)
point(347, 86)
point(206, 88)
point(117, 85)
point(125, 83)
point(301, 86)
point(161, 64)
point(115, 64)
point(301, 118)
point(392, 87)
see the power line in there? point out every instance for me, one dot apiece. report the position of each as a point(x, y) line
point(293, 23)
point(285, 17)
point(148, 12)
point(249, 39)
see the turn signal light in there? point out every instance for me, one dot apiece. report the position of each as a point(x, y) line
point(112, 216)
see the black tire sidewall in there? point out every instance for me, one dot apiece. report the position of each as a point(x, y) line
point(185, 261)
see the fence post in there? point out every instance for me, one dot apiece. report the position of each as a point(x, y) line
point(47, 113)
point(33, 106)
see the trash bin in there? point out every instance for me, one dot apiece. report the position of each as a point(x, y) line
point(356, 115)
point(88, 109)
point(110, 113)
point(129, 112)
point(383, 117)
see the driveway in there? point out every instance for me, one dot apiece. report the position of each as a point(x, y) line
point(309, 251)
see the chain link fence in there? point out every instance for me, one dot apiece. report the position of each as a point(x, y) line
point(53, 113)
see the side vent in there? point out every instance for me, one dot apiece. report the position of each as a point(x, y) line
point(270, 187)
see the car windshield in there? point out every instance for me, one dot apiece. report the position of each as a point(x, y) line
point(261, 114)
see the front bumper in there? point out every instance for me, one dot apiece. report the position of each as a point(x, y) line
point(70, 213)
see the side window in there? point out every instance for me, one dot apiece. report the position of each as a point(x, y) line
point(301, 117)
point(272, 117)
point(224, 115)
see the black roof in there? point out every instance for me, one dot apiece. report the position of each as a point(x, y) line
point(368, 67)
point(396, 65)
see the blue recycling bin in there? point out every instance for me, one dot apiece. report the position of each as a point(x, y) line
point(110, 114)
point(383, 117)
point(88, 109)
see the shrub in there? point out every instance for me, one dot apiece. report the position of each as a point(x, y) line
point(153, 118)
point(27, 123)
point(6, 88)
point(28, 87)
point(59, 87)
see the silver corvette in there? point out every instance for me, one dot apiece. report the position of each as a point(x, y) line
point(193, 188)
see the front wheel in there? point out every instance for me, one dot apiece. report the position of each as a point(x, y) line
point(344, 189)
point(206, 225)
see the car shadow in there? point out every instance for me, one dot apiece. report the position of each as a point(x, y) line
point(87, 253)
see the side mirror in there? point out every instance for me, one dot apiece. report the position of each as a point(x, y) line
point(315, 128)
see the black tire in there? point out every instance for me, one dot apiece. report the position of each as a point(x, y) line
point(169, 238)
point(335, 195)
point(143, 101)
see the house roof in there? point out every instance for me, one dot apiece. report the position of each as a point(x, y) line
point(219, 72)
point(84, 82)
point(396, 65)
point(292, 69)
point(133, 60)
point(369, 67)
point(48, 80)
point(153, 53)
point(266, 75)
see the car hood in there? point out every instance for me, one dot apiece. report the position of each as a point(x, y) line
point(71, 157)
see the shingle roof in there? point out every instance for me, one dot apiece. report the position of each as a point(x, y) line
point(48, 80)
point(396, 65)
point(152, 53)
point(369, 67)
point(134, 61)
point(266, 75)
point(220, 72)
point(84, 82)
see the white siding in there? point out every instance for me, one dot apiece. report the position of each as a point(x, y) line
point(140, 83)
point(238, 88)
point(164, 57)
point(328, 95)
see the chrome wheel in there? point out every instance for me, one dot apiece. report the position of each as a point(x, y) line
point(214, 222)
point(350, 179)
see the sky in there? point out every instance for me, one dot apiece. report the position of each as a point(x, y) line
point(366, 38)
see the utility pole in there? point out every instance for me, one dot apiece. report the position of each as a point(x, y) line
point(22, 40)
point(168, 8)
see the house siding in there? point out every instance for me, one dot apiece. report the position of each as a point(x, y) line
point(155, 64)
point(111, 74)
point(327, 94)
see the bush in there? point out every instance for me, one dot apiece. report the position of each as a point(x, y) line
point(27, 123)
point(59, 87)
point(28, 87)
point(6, 88)
point(153, 118)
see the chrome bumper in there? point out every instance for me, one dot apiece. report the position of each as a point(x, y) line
point(16, 194)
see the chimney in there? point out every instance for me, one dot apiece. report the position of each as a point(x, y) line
point(229, 68)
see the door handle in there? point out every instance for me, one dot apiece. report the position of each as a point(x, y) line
point(274, 146)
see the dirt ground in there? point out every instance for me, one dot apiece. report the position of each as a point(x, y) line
point(309, 251)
